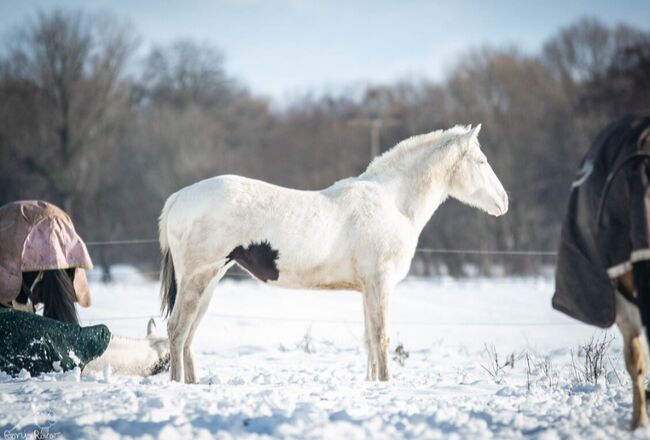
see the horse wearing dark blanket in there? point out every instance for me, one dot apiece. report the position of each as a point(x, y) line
point(603, 269)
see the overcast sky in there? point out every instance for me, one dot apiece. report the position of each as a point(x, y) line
point(284, 48)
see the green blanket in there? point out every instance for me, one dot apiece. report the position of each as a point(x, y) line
point(42, 345)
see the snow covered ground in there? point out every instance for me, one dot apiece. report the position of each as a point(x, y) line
point(291, 364)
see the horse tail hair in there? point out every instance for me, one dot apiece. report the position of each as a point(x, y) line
point(56, 291)
point(168, 286)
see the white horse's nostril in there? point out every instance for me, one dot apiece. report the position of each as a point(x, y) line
point(500, 202)
point(501, 207)
point(504, 203)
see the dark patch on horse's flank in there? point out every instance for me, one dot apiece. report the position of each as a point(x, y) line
point(258, 259)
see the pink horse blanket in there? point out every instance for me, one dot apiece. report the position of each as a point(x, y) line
point(38, 236)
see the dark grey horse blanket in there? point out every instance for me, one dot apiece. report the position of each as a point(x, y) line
point(606, 227)
point(42, 345)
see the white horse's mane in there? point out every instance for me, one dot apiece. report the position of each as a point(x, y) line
point(433, 141)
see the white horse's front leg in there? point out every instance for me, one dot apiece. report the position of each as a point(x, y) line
point(371, 367)
point(189, 368)
point(377, 305)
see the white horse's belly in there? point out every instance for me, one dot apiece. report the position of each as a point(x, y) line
point(325, 276)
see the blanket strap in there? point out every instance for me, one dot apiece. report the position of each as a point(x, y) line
point(625, 292)
point(610, 179)
point(641, 273)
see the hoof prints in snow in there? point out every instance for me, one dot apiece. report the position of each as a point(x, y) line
point(293, 394)
point(256, 379)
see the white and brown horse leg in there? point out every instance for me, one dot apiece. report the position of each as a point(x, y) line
point(376, 302)
point(628, 320)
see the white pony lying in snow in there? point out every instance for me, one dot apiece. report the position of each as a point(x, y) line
point(133, 356)
point(358, 234)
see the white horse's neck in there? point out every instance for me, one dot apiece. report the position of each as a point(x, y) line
point(417, 171)
point(131, 356)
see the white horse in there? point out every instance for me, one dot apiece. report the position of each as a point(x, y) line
point(133, 356)
point(358, 234)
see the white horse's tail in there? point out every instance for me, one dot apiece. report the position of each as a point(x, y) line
point(168, 286)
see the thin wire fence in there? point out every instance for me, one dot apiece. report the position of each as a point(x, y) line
point(536, 253)
point(342, 321)
point(519, 252)
point(512, 252)
point(117, 242)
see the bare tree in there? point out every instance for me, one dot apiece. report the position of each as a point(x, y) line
point(625, 85)
point(194, 121)
point(76, 130)
point(580, 53)
point(63, 99)
point(186, 72)
point(585, 49)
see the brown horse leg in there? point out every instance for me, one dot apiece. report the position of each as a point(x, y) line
point(628, 320)
point(636, 361)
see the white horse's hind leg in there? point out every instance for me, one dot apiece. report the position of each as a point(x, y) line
point(179, 325)
point(628, 320)
point(203, 304)
point(189, 366)
point(376, 302)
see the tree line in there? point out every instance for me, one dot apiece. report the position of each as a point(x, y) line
point(107, 137)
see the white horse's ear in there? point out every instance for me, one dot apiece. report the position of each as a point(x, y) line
point(475, 131)
point(151, 325)
point(472, 134)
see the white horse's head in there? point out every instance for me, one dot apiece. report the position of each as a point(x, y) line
point(473, 181)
